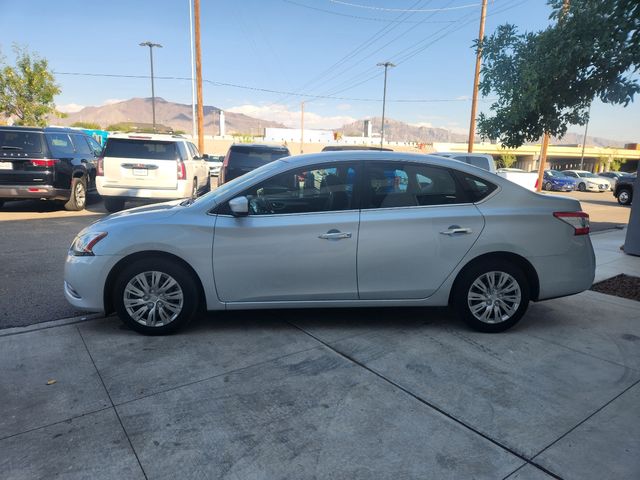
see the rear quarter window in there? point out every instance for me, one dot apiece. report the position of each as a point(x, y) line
point(475, 188)
point(21, 142)
point(150, 150)
point(60, 145)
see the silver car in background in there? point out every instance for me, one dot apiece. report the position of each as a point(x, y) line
point(340, 229)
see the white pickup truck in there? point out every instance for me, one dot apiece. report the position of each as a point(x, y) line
point(485, 161)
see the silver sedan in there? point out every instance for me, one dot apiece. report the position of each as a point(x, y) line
point(333, 230)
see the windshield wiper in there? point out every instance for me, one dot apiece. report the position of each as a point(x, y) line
point(8, 147)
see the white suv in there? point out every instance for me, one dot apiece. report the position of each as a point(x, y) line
point(150, 166)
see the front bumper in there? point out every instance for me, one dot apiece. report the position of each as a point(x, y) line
point(85, 279)
point(596, 188)
point(563, 188)
point(33, 191)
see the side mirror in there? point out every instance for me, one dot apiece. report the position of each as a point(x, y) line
point(239, 206)
point(205, 156)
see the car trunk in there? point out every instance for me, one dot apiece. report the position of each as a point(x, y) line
point(135, 163)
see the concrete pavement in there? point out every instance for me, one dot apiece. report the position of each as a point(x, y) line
point(370, 393)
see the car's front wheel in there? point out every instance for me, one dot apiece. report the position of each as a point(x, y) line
point(582, 187)
point(548, 186)
point(491, 296)
point(156, 296)
point(624, 196)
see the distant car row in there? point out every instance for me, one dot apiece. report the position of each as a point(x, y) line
point(64, 164)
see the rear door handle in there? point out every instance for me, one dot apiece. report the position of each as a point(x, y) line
point(456, 230)
point(334, 235)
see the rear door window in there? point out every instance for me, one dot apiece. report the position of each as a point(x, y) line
point(142, 149)
point(60, 145)
point(81, 144)
point(12, 141)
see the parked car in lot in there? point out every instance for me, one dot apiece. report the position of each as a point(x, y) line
point(339, 229)
point(480, 160)
point(47, 163)
point(527, 180)
point(557, 181)
point(215, 164)
point(612, 177)
point(153, 166)
point(624, 189)
point(588, 181)
point(242, 158)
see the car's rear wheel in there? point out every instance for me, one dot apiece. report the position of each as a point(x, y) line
point(156, 296)
point(113, 204)
point(78, 197)
point(582, 187)
point(624, 196)
point(491, 296)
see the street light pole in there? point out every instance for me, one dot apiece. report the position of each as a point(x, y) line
point(584, 139)
point(153, 93)
point(386, 65)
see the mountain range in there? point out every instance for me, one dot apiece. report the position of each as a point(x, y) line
point(178, 117)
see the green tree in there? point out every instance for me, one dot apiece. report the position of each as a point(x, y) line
point(27, 89)
point(87, 125)
point(546, 81)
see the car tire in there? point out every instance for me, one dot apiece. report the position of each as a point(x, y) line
point(624, 196)
point(582, 187)
point(170, 311)
point(548, 186)
point(207, 187)
point(468, 296)
point(78, 196)
point(113, 204)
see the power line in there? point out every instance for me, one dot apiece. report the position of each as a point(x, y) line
point(259, 89)
point(370, 7)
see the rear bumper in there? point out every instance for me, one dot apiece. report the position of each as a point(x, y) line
point(33, 191)
point(183, 190)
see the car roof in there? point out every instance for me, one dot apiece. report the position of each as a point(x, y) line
point(42, 129)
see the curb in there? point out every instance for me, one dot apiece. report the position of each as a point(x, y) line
point(51, 324)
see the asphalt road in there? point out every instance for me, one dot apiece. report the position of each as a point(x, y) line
point(35, 236)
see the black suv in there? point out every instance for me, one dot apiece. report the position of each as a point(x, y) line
point(243, 158)
point(49, 163)
point(624, 189)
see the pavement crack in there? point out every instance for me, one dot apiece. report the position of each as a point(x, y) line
point(428, 404)
point(113, 406)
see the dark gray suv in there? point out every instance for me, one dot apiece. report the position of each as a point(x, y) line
point(47, 163)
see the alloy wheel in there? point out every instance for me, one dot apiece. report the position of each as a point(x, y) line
point(494, 297)
point(80, 195)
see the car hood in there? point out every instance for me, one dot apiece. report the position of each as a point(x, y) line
point(146, 212)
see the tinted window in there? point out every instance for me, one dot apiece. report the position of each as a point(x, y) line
point(81, 144)
point(475, 188)
point(95, 146)
point(17, 141)
point(390, 185)
point(305, 190)
point(253, 157)
point(146, 149)
point(60, 145)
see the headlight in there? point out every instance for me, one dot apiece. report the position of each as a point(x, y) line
point(82, 245)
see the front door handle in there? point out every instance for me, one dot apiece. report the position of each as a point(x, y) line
point(456, 230)
point(333, 235)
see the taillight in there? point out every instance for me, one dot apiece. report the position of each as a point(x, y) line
point(182, 172)
point(45, 162)
point(100, 167)
point(578, 220)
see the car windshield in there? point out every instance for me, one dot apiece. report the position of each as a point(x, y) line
point(239, 183)
point(556, 174)
point(147, 149)
point(587, 175)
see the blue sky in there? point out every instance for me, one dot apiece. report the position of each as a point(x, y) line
point(282, 45)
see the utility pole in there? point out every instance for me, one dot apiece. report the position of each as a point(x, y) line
point(153, 93)
point(584, 139)
point(386, 65)
point(476, 78)
point(546, 136)
point(196, 11)
point(301, 127)
point(193, 81)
